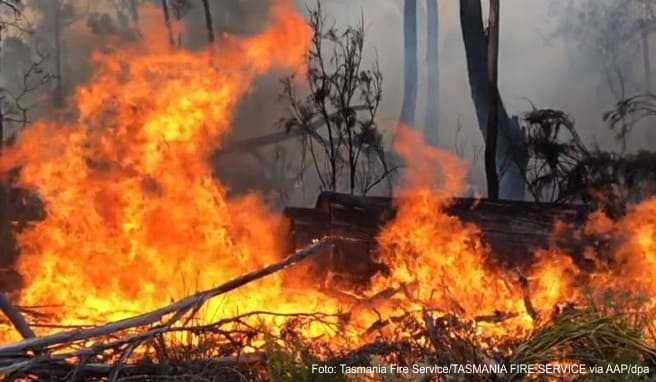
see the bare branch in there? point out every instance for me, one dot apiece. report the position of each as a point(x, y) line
point(15, 317)
point(178, 309)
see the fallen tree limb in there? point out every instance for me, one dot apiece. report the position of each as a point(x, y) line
point(62, 370)
point(275, 138)
point(179, 309)
point(513, 230)
point(15, 317)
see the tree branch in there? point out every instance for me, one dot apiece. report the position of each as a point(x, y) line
point(179, 309)
point(15, 317)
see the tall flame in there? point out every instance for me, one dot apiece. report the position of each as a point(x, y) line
point(134, 215)
point(440, 261)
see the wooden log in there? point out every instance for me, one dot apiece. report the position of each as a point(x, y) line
point(513, 230)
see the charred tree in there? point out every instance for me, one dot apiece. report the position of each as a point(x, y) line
point(133, 8)
point(167, 21)
point(410, 63)
point(59, 15)
point(511, 155)
point(15, 317)
point(493, 110)
point(431, 132)
point(208, 21)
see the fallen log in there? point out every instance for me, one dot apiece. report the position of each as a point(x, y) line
point(177, 309)
point(513, 230)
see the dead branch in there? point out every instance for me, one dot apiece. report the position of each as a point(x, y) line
point(178, 309)
point(72, 371)
point(275, 138)
point(15, 317)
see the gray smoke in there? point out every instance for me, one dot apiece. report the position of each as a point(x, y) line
point(549, 69)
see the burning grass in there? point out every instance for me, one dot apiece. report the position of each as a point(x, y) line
point(216, 351)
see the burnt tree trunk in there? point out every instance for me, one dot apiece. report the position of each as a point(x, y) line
point(134, 11)
point(15, 317)
point(167, 21)
point(493, 110)
point(511, 153)
point(208, 21)
point(646, 55)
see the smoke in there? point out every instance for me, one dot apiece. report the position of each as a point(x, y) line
point(537, 66)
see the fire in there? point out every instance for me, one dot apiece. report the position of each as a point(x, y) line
point(134, 215)
point(631, 270)
point(637, 253)
point(136, 219)
point(552, 281)
point(441, 262)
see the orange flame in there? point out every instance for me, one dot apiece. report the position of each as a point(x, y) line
point(552, 281)
point(134, 215)
point(632, 271)
point(440, 261)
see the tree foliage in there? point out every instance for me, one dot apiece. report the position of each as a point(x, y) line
point(338, 115)
point(562, 169)
point(628, 112)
